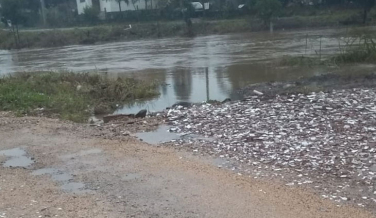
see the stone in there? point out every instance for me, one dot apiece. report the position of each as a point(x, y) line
point(141, 113)
point(226, 100)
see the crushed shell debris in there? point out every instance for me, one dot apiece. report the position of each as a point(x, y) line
point(324, 139)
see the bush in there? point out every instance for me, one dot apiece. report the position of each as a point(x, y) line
point(365, 51)
point(61, 16)
point(91, 15)
point(268, 9)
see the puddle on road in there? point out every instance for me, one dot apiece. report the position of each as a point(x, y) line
point(64, 179)
point(15, 152)
point(45, 171)
point(74, 187)
point(158, 136)
point(17, 158)
point(18, 162)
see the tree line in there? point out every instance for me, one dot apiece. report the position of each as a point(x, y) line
point(64, 12)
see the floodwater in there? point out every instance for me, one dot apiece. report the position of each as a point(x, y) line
point(191, 69)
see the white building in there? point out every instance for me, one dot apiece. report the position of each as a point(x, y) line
point(113, 5)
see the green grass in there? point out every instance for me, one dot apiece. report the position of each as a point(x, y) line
point(69, 96)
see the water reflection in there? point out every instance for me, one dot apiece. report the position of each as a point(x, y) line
point(201, 84)
point(6, 62)
point(182, 83)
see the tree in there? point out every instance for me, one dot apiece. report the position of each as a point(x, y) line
point(119, 2)
point(284, 2)
point(54, 3)
point(367, 6)
point(12, 10)
point(91, 15)
point(267, 10)
point(133, 3)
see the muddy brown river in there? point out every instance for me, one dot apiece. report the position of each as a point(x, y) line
point(191, 69)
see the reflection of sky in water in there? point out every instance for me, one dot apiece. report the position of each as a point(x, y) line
point(231, 62)
point(184, 86)
point(6, 62)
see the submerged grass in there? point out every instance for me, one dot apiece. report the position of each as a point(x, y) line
point(69, 96)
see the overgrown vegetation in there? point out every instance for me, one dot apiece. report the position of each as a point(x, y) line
point(69, 96)
point(359, 46)
point(267, 10)
point(357, 49)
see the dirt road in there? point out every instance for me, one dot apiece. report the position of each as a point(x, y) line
point(77, 173)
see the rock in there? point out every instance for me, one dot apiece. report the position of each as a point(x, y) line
point(109, 118)
point(183, 104)
point(141, 113)
point(226, 100)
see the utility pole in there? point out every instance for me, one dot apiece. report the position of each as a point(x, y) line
point(43, 11)
point(207, 84)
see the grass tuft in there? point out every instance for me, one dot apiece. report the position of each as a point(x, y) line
point(70, 96)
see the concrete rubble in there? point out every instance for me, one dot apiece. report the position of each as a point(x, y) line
point(326, 141)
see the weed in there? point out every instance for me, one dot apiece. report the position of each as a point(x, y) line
point(357, 49)
point(69, 96)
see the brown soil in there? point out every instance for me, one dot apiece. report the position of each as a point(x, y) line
point(124, 177)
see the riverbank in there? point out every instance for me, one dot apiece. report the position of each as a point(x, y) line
point(285, 145)
point(69, 96)
point(122, 32)
point(323, 141)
